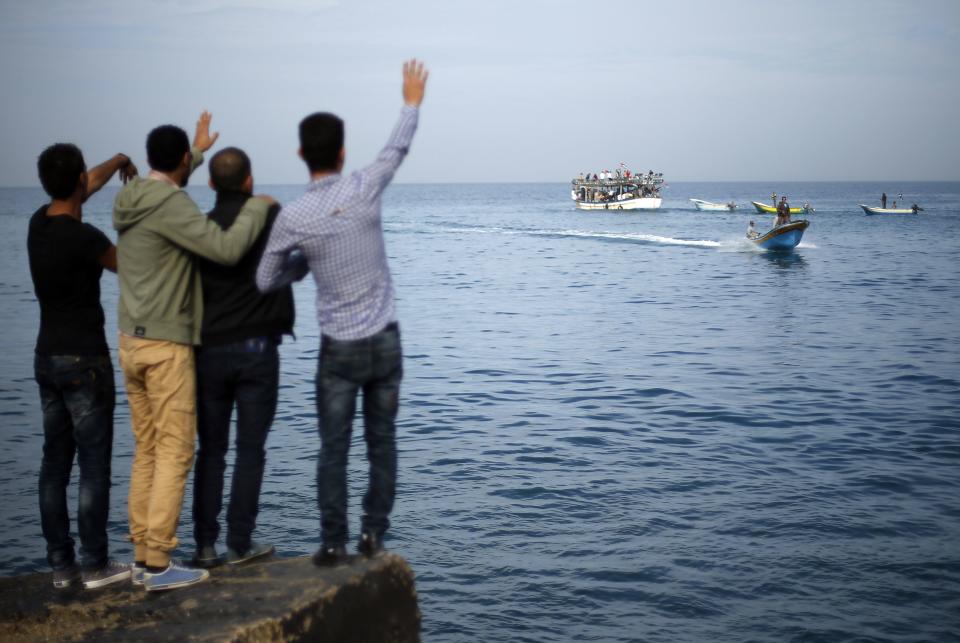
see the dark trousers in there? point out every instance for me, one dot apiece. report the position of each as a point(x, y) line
point(78, 397)
point(373, 365)
point(244, 373)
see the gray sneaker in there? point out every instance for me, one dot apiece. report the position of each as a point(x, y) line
point(64, 578)
point(207, 557)
point(255, 550)
point(174, 576)
point(112, 572)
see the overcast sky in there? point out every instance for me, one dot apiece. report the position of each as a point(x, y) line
point(525, 90)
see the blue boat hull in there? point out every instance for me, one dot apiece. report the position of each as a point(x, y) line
point(785, 237)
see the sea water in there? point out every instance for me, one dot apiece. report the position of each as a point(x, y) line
point(620, 426)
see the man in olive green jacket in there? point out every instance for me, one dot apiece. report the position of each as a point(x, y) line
point(160, 231)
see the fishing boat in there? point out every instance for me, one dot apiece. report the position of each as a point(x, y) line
point(763, 208)
point(709, 206)
point(911, 210)
point(782, 237)
point(618, 192)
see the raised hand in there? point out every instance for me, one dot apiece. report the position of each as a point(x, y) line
point(414, 82)
point(128, 170)
point(202, 139)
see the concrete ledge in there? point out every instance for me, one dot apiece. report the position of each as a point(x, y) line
point(281, 599)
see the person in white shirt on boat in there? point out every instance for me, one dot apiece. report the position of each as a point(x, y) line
point(752, 231)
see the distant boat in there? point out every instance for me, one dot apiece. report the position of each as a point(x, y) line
point(638, 192)
point(911, 210)
point(784, 237)
point(713, 207)
point(763, 208)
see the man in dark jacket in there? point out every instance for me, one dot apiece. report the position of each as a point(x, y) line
point(238, 364)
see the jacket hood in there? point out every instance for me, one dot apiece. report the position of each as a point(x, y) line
point(138, 200)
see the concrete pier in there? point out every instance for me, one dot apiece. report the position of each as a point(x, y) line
point(280, 599)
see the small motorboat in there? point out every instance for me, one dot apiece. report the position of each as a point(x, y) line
point(911, 210)
point(713, 207)
point(782, 237)
point(763, 208)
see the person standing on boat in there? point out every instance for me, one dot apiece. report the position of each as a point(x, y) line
point(774, 197)
point(783, 212)
point(883, 200)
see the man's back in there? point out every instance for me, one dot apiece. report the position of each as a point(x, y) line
point(344, 245)
point(160, 229)
point(337, 225)
point(233, 308)
point(64, 265)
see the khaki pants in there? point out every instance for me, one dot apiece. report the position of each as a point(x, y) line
point(161, 388)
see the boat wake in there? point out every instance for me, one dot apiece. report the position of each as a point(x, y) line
point(728, 245)
point(634, 237)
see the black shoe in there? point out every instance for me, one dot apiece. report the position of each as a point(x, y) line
point(370, 544)
point(207, 557)
point(255, 550)
point(330, 556)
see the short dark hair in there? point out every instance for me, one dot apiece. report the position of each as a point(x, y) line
point(166, 146)
point(229, 168)
point(60, 167)
point(321, 139)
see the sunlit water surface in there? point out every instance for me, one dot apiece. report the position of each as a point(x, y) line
point(621, 426)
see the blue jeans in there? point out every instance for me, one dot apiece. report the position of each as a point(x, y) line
point(78, 397)
point(373, 365)
point(246, 373)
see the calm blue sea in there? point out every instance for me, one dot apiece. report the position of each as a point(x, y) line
point(622, 426)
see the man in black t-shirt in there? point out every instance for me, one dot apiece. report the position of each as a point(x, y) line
point(72, 364)
point(237, 365)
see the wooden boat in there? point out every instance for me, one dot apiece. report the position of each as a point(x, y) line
point(638, 192)
point(783, 237)
point(713, 207)
point(763, 208)
point(911, 210)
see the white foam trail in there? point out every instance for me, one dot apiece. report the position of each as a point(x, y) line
point(590, 234)
point(633, 236)
point(728, 245)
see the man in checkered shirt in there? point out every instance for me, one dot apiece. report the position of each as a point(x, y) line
point(336, 225)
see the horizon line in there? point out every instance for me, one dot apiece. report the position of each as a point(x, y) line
point(666, 183)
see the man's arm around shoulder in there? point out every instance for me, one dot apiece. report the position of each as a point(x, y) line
point(194, 231)
point(281, 263)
